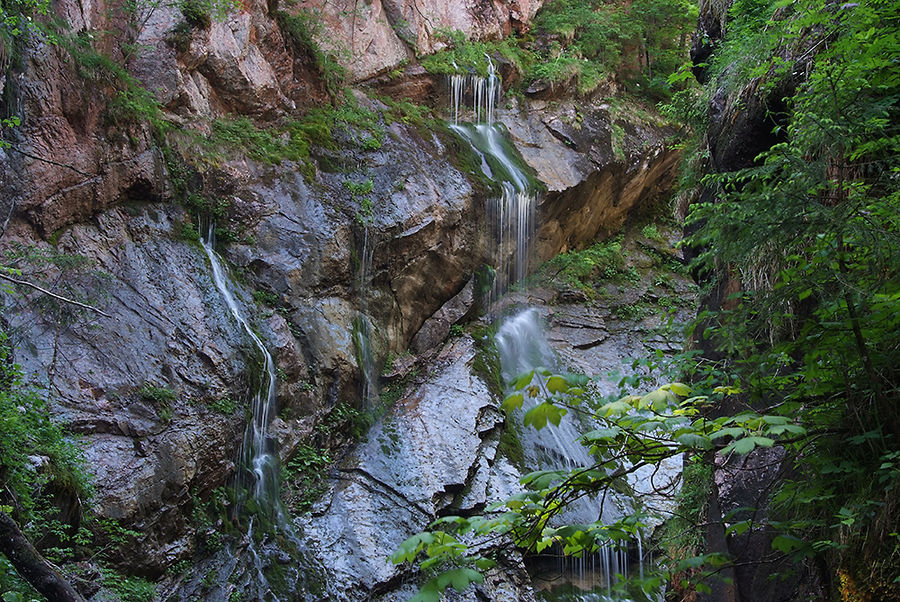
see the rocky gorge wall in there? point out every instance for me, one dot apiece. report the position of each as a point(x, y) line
point(155, 384)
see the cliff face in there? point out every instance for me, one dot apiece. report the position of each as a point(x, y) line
point(155, 384)
point(370, 38)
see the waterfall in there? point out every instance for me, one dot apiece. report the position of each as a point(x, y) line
point(362, 325)
point(484, 92)
point(268, 544)
point(257, 456)
point(512, 213)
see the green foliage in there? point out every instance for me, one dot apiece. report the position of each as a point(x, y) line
point(681, 538)
point(589, 40)
point(301, 29)
point(157, 395)
point(652, 232)
point(304, 476)
point(27, 432)
point(129, 102)
point(601, 261)
point(468, 56)
point(266, 298)
point(359, 193)
point(812, 230)
point(226, 406)
point(633, 431)
point(343, 420)
point(293, 139)
point(128, 589)
point(38, 462)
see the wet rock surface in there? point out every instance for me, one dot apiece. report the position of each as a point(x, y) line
point(437, 451)
point(157, 387)
point(415, 462)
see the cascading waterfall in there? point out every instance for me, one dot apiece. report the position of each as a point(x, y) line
point(484, 91)
point(520, 338)
point(523, 347)
point(512, 214)
point(274, 538)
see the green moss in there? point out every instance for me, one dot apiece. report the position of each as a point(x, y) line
point(304, 476)
point(189, 232)
point(465, 55)
point(128, 101)
point(467, 162)
point(226, 406)
point(158, 395)
point(486, 363)
point(582, 269)
point(680, 538)
point(293, 139)
point(510, 445)
point(128, 589)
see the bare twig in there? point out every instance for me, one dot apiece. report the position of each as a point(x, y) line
point(15, 148)
point(54, 295)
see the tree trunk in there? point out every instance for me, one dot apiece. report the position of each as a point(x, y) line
point(33, 567)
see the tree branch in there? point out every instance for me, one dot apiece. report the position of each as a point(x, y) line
point(33, 567)
point(54, 295)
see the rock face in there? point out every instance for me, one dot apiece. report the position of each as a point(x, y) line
point(437, 452)
point(156, 385)
point(381, 34)
point(597, 165)
point(417, 461)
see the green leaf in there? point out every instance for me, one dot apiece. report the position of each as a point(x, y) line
point(542, 479)
point(623, 406)
point(740, 446)
point(694, 441)
point(786, 543)
point(557, 384)
point(539, 415)
point(738, 528)
point(680, 389)
point(601, 434)
point(513, 402)
point(459, 578)
point(733, 431)
point(484, 564)
point(428, 592)
point(410, 548)
point(523, 380)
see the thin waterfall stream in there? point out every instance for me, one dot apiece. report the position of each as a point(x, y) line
point(273, 538)
point(257, 454)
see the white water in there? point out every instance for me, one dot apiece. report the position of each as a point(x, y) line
point(520, 339)
point(258, 459)
point(523, 347)
point(483, 91)
point(512, 214)
point(362, 325)
point(256, 449)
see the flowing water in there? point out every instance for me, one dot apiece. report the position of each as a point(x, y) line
point(271, 545)
point(362, 325)
point(522, 345)
point(512, 213)
point(258, 460)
